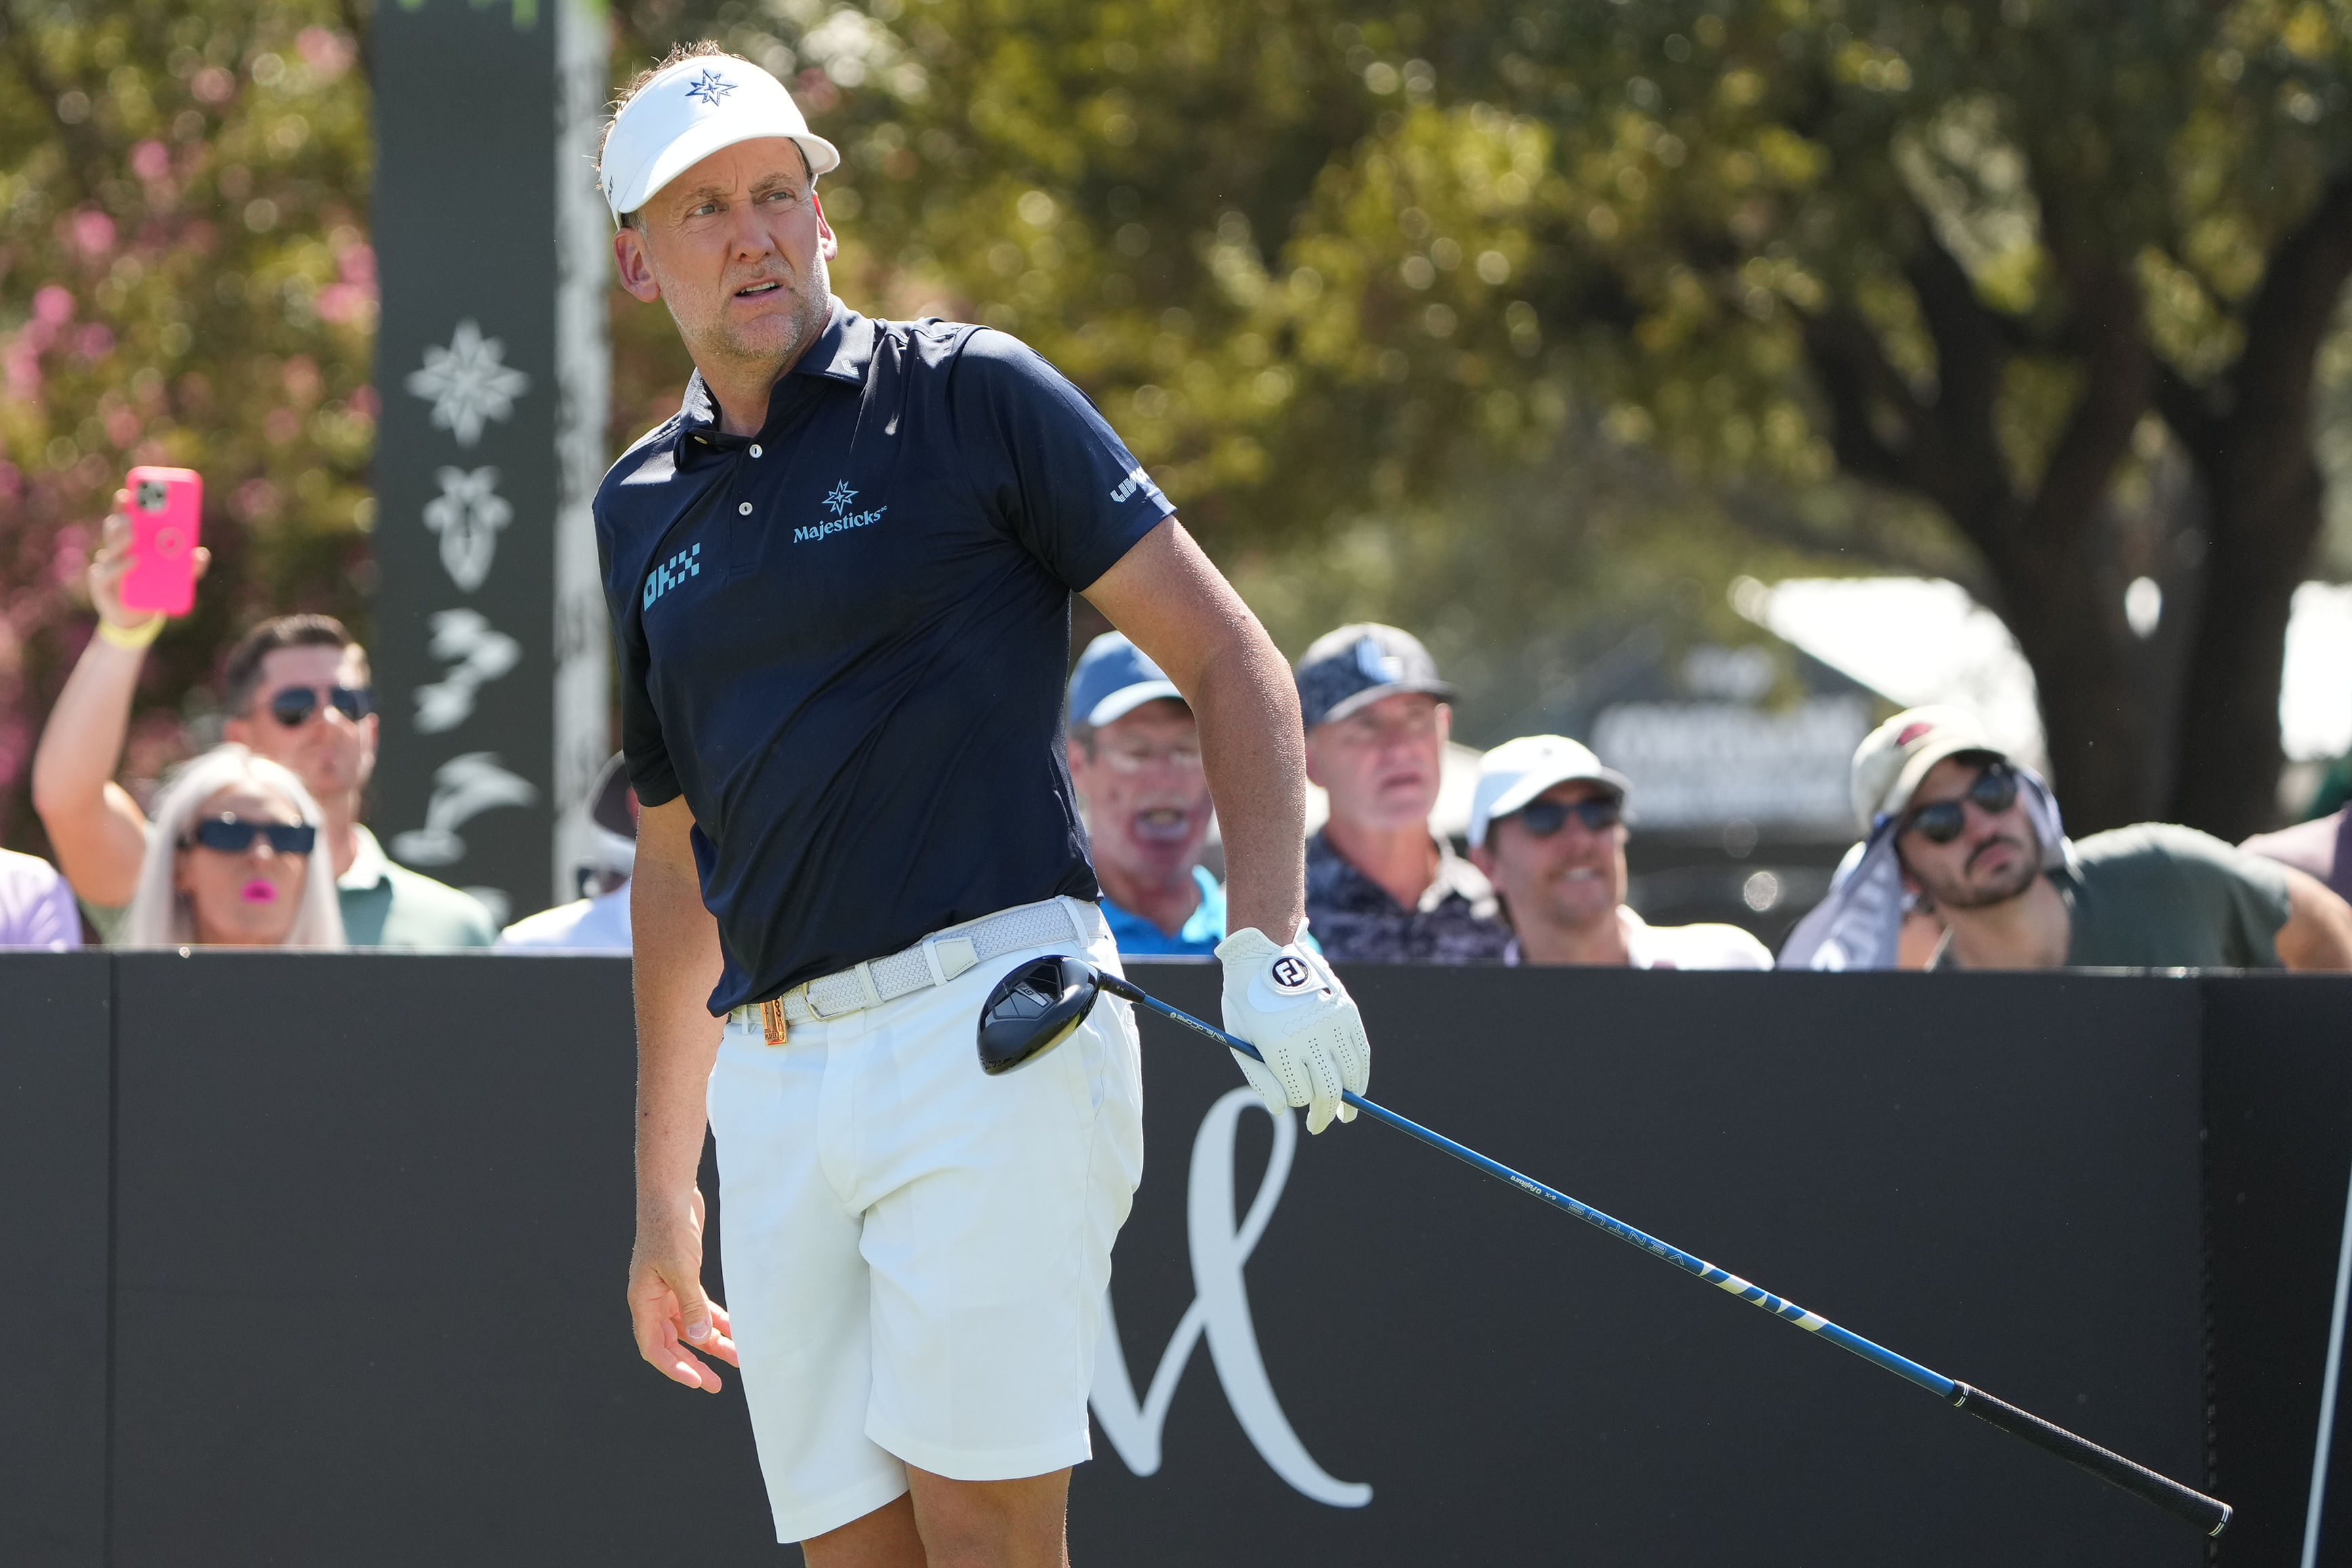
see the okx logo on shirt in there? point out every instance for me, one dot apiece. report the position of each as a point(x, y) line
point(670, 573)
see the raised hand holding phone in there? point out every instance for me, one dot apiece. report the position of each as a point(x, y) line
point(148, 560)
point(166, 511)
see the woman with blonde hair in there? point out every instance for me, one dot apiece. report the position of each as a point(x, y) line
point(234, 859)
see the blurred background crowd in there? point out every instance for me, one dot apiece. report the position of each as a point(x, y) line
point(1794, 430)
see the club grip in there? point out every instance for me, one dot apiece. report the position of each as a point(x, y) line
point(2211, 1513)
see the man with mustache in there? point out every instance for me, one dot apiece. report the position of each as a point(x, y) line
point(2014, 894)
point(1548, 827)
point(840, 581)
point(1135, 761)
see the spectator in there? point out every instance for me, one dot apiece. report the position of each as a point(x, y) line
point(1954, 817)
point(296, 690)
point(1548, 827)
point(36, 906)
point(1380, 886)
point(235, 859)
point(600, 922)
point(1135, 761)
point(2321, 848)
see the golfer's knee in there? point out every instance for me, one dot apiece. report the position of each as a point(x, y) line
point(991, 1524)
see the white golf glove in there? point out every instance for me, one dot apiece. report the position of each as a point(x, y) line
point(1286, 1002)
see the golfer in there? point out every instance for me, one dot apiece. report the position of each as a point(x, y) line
point(840, 584)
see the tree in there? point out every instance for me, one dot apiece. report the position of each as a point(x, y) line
point(2055, 271)
point(185, 278)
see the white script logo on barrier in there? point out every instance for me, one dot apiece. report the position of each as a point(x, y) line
point(1220, 1310)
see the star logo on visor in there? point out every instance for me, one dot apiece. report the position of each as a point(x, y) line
point(709, 86)
point(839, 497)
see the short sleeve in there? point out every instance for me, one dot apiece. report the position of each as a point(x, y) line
point(2245, 894)
point(643, 749)
point(1049, 468)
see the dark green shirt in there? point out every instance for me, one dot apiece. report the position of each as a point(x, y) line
point(2162, 896)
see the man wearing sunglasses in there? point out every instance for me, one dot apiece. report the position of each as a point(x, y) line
point(1978, 837)
point(1548, 827)
point(295, 690)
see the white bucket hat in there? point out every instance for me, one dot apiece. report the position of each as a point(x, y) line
point(689, 111)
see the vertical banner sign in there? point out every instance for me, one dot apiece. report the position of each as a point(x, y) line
point(492, 367)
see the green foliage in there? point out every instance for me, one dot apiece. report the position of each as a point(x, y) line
point(185, 278)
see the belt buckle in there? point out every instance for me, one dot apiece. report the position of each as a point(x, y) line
point(771, 1019)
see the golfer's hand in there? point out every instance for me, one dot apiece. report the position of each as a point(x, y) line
point(112, 563)
point(667, 1306)
point(1286, 1002)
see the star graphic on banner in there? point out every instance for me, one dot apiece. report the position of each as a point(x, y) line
point(709, 86)
point(468, 383)
point(839, 497)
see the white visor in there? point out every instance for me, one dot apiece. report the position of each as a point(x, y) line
point(688, 112)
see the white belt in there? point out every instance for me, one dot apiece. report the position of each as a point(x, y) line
point(934, 961)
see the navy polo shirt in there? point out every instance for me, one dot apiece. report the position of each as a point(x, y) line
point(843, 640)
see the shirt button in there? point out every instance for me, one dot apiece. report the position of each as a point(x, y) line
point(755, 449)
point(745, 508)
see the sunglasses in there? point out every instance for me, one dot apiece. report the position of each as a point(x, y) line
point(1994, 791)
point(235, 835)
point(1542, 819)
point(293, 706)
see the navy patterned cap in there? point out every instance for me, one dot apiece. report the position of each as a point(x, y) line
point(1358, 664)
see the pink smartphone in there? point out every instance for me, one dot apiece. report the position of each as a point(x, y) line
point(166, 511)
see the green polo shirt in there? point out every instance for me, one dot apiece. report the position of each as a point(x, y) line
point(388, 905)
point(384, 906)
point(2161, 896)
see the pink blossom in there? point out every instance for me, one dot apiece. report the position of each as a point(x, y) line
point(343, 302)
point(150, 160)
point(53, 305)
point(93, 231)
point(328, 52)
point(20, 367)
point(282, 426)
point(12, 481)
point(364, 402)
point(256, 500)
point(357, 263)
point(213, 85)
point(94, 341)
point(122, 427)
point(302, 383)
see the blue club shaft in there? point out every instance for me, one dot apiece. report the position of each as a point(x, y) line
point(2209, 1513)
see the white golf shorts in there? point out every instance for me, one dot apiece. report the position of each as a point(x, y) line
point(915, 1252)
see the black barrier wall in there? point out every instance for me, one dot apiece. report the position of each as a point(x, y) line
point(328, 1256)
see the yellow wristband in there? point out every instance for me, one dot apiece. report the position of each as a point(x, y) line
point(134, 638)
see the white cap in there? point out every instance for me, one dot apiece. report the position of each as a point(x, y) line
point(689, 111)
point(1517, 772)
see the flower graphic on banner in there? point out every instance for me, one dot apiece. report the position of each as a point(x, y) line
point(463, 789)
point(476, 652)
point(468, 514)
point(468, 383)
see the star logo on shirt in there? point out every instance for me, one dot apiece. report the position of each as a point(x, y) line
point(839, 497)
point(709, 86)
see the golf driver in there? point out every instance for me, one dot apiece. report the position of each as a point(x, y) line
point(1037, 1007)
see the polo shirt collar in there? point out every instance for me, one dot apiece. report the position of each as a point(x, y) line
point(841, 353)
point(369, 866)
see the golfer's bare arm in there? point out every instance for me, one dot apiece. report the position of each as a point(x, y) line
point(1168, 597)
point(676, 963)
point(2318, 930)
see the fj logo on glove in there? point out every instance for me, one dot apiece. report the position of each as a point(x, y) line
point(1291, 975)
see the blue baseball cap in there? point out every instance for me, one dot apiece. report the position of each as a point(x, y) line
point(1113, 679)
point(1358, 664)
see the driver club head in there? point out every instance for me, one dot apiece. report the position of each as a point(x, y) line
point(1034, 1009)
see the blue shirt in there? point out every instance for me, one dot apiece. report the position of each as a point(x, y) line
point(1138, 937)
point(842, 640)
